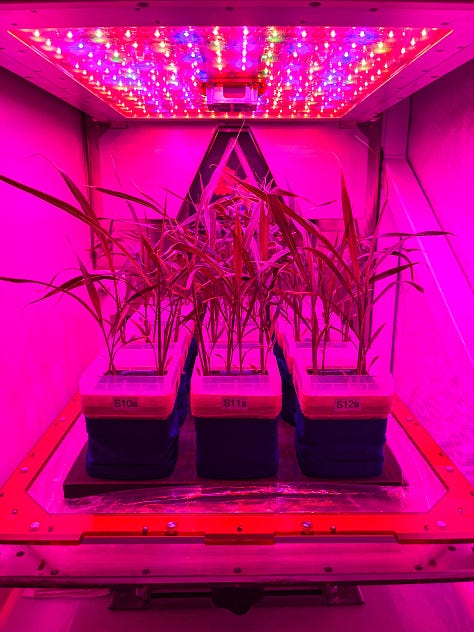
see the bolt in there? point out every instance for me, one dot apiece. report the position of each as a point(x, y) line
point(62, 419)
point(451, 547)
point(441, 524)
point(34, 526)
point(328, 569)
point(50, 529)
point(332, 528)
point(237, 571)
point(145, 530)
point(146, 571)
point(172, 526)
point(418, 567)
point(409, 418)
point(20, 553)
point(14, 511)
point(449, 468)
point(55, 571)
point(460, 510)
point(307, 525)
point(24, 470)
point(426, 527)
point(240, 529)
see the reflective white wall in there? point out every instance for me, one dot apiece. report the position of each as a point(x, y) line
point(434, 337)
point(44, 347)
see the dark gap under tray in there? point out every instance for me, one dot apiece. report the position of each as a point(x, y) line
point(78, 483)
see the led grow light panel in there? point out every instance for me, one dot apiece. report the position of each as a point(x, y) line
point(302, 72)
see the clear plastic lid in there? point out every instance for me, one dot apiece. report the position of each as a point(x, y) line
point(135, 391)
point(250, 334)
point(248, 395)
point(334, 354)
point(135, 324)
point(341, 395)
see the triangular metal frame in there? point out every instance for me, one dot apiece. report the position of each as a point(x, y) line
point(227, 142)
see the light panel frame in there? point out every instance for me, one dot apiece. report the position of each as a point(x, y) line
point(306, 72)
point(452, 51)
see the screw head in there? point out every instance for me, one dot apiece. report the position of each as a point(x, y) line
point(172, 525)
point(24, 470)
point(34, 526)
point(441, 524)
point(449, 468)
point(307, 525)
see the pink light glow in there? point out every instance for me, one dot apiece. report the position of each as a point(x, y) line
point(308, 72)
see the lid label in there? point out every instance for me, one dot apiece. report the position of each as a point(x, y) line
point(234, 403)
point(346, 403)
point(127, 403)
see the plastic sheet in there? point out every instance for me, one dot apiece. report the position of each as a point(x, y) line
point(420, 491)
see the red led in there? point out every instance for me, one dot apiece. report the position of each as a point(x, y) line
point(310, 72)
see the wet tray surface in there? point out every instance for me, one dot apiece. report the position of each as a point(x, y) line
point(78, 483)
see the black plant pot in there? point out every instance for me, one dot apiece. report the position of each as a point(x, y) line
point(340, 448)
point(234, 448)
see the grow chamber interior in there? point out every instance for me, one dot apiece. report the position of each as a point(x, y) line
point(121, 99)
